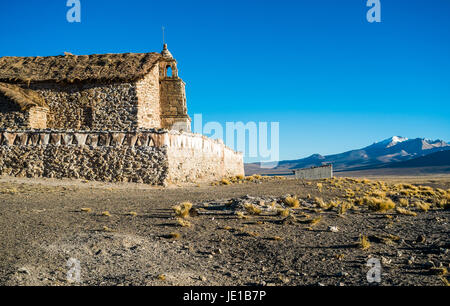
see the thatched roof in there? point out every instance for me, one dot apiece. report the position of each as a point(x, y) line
point(73, 68)
point(24, 98)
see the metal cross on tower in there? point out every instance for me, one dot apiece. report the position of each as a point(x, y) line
point(164, 41)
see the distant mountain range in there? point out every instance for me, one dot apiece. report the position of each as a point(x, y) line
point(381, 154)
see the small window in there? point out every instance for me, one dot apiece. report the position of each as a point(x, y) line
point(169, 72)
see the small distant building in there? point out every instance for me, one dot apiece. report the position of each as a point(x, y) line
point(314, 173)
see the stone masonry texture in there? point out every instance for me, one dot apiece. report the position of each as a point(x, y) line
point(154, 157)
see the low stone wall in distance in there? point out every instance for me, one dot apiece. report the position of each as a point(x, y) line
point(314, 173)
point(154, 157)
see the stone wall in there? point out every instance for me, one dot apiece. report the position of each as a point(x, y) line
point(90, 106)
point(11, 116)
point(196, 158)
point(148, 94)
point(154, 157)
point(315, 173)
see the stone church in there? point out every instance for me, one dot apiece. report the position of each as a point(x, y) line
point(109, 118)
point(93, 92)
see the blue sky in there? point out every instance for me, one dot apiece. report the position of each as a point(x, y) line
point(334, 81)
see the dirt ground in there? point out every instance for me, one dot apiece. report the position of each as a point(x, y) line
point(128, 234)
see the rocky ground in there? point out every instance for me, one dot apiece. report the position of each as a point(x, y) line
point(242, 231)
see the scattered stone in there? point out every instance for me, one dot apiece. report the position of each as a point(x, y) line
point(333, 229)
point(24, 270)
point(385, 261)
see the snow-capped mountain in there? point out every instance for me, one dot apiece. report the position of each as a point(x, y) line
point(394, 149)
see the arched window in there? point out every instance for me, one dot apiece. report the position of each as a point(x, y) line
point(169, 71)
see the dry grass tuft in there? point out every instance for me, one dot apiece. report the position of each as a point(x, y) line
point(349, 193)
point(405, 212)
point(225, 182)
point(183, 222)
point(365, 181)
point(107, 229)
point(445, 281)
point(292, 202)
point(132, 214)
point(403, 202)
point(283, 212)
point(344, 207)
point(423, 206)
point(379, 205)
point(241, 215)
point(252, 209)
point(378, 194)
point(161, 277)
point(313, 222)
point(321, 203)
point(320, 187)
point(106, 214)
point(182, 210)
point(363, 242)
point(86, 210)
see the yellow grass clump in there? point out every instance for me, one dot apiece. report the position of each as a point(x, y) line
point(363, 242)
point(315, 221)
point(107, 229)
point(379, 205)
point(344, 207)
point(241, 215)
point(183, 222)
point(86, 210)
point(225, 181)
point(182, 210)
point(106, 214)
point(378, 194)
point(252, 209)
point(405, 212)
point(240, 177)
point(349, 193)
point(320, 202)
point(283, 212)
point(320, 187)
point(292, 202)
point(423, 206)
point(409, 186)
point(333, 204)
point(132, 214)
point(403, 202)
